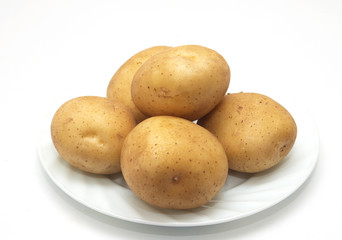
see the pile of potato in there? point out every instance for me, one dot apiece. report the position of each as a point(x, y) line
point(168, 125)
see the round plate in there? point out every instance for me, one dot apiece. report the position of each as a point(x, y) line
point(242, 195)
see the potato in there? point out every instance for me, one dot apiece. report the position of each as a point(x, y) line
point(88, 132)
point(255, 131)
point(170, 162)
point(186, 81)
point(119, 87)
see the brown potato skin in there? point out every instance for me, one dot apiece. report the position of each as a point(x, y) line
point(88, 132)
point(170, 162)
point(119, 87)
point(255, 131)
point(186, 81)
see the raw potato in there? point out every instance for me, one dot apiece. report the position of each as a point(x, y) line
point(173, 163)
point(88, 132)
point(186, 81)
point(255, 131)
point(119, 87)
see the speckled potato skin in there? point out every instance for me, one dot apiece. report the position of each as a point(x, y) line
point(186, 81)
point(119, 87)
point(88, 132)
point(255, 131)
point(170, 162)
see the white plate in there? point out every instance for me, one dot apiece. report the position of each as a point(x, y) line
point(242, 195)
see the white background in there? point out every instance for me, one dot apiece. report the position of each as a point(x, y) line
point(51, 51)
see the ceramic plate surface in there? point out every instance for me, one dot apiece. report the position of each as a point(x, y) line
point(242, 195)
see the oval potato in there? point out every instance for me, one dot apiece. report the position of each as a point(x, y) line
point(88, 132)
point(186, 81)
point(171, 162)
point(255, 131)
point(119, 87)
